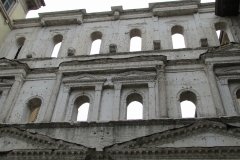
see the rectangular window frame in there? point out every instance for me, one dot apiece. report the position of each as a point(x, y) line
point(8, 5)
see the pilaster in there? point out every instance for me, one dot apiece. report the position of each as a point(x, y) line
point(162, 91)
point(9, 102)
point(53, 98)
point(97, 103)
point(116, 102)
point(151, 100)
point(214, 89)
point(227, 98)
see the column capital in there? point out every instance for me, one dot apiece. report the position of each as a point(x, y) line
point(117, 86)
point(209, 66)
point(59, 75)
point(19, 77)
point(151, 84)
point(160, 68)
point(223, 81)
point(98, 87)
point(66, 89)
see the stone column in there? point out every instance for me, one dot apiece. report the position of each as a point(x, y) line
point(151, 100)
point(214, 89)
point(53, 98)
point(162, 92)
point(97, 103)
point(227, 98)
point(9, 102)
point(116, 102)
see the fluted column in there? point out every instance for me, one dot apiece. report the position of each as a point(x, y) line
point(116, 102)
point(97, 103)
point(162, 92)
point(214, 89)
point(53, 98)
point(151, 100)
point(227, 98)
point(9, 102)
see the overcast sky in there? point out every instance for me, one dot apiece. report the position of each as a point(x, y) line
point(94, 5)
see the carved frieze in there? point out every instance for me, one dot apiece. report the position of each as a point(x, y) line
point(83, 78)
point(134, 75)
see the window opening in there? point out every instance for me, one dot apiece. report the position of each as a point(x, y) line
point(134, 106)
point(57, 42)
point(135, 40)
point(81, 108)
point(134, 110)
point(177, 37)
point(222, 37)
point(18, 46)
point(96, 40)
point(18, 51)
point(188, 101)
point(221, 31)
point(83, 112)
point(238, 97)
point(95, 49)
point(34, 106)
point(188, 109)
point(8, 4)
point(56, 49)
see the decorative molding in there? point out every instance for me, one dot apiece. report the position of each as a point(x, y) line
point(139, 78)
point(159, 139)
point(41, 140)
point(117, 86)
point(83, 78)
point(223, 81)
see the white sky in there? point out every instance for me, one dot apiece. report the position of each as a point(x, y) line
point(105, 5)
point(94, 5)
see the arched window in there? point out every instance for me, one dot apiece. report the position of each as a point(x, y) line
point(18, 46)
point(96, 39)
point(177, 37)
point(57, 42)
point(81, 108)
point(221, 31)
point(135, 40)
point(134, 106)
point(34, 106)
point(238, 96)
point(188, 103)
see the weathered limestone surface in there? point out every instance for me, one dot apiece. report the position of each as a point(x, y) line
point(158, 76)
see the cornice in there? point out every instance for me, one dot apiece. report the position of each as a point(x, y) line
point(164, 121)
point(186, 7)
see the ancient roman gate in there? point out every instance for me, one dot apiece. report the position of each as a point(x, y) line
point(41, 94)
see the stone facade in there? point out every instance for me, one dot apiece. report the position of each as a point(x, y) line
point(158, 74)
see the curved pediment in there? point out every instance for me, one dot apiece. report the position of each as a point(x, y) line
point(226, 48)
point(229, 71)
point(16, 139)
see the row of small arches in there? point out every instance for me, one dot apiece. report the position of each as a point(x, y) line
point(177, 32)
point(134, 102)
point(187, 99)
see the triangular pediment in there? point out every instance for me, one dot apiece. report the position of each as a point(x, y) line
point(15, 139)
point(200, 134)
point(231, 47)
